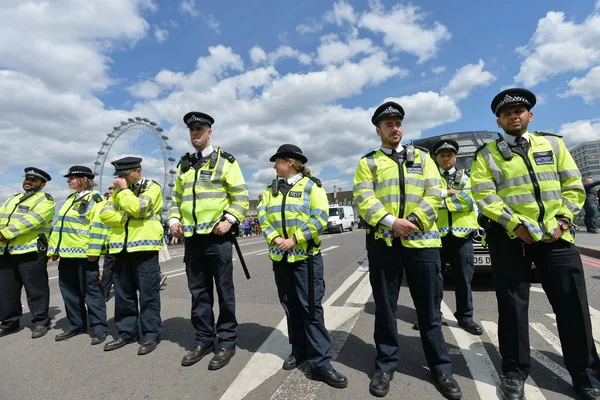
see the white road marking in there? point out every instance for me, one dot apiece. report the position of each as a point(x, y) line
point(482, 369)
point(531, 389)
point(267, 360)
point(329, 248)
point(537, 355)
point(361, 293)
point(548, 336)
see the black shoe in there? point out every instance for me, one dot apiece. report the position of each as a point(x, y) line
point(511, 388)
point(195, 355)
point(447, 386)
point(416, 326)
point(380, 383)
point(290, 362)
point(8, 331)
point(117, 344)
point(333, 379)
point(471, 327)
point(221, 358)
point(39, 331)
point(99, 339)
point(66, 335)
point(587, 393)
point(148, 346)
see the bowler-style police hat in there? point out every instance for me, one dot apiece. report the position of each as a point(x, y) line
point(289, 151)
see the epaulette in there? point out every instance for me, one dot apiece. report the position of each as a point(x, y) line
point(547, 134)
point(71, 195)
point(228, 156)
point(316, 180)
point(49, 197)
point(480, 148)
point(97, 198)
point(425, 149)
point(369, 154)
point(156, 183)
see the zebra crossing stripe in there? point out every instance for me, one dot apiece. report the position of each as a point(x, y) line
point(548, 336)
point(531, 389)
point(478, 361)
point(536, 355)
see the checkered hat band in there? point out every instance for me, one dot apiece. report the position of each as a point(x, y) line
point(446, 146)
point(79, 173)
point(127, 166)
point(389, 110)
point(194, 118)
point(36, 174)
point(508, 99)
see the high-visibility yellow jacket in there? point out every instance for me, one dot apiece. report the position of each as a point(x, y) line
point(458, 213)
point(383, 187)
point(302, 213)
point(78, 232)
point(22, 218)
point(134, 218)
point(534, 191)
point(204, 192)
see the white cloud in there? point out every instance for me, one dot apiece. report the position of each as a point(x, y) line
point(466, 78)
point(189, 7)
point(588, 87)
point(333, 51)
point(438, 70)
point(342, 12)
point(559, 46)
point(211, 22)
point(160, 34)
point(257, 55)
point(64, 44)
point(580, 131)
point(403, 29)
point(283, 52)
point(145, 90)
point(311, 27)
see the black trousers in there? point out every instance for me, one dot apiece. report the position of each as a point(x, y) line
point(591, 217)
point(80, 286)
point(27, 270)
point(107, 275)
point(424, 277)
point(309, 338)
point(459, 253)
point(133, 273)
point(209, 264)
point(562, 276)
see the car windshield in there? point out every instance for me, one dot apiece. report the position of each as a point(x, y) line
point(334, 212)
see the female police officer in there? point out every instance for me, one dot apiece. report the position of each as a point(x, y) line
point(77, 240)
point(292, 212)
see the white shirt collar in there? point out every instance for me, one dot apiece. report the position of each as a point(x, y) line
point(450, 171)
point(81, 194)
point(510, 139)
point(294, 179)
point(389, 151)
point(206, 152)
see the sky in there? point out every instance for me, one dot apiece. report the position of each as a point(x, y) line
point(309, 73)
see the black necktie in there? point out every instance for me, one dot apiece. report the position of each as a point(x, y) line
point(284, 186)
point(398, 156)
point(522, 143)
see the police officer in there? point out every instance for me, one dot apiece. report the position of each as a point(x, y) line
point(398, 189)
point(24, 226)
point(293, 212)
point(77, 239)
point(590, 206)
point(530, 188)
point(133, 213)
point(457, 220)
point(107, 277)
point(210, 198)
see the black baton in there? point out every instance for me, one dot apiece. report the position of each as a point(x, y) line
point(311, 285)
point(239, 252)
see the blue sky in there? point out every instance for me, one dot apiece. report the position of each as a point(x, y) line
point(274, 72)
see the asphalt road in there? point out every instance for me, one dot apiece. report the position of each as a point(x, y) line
point(45, 369)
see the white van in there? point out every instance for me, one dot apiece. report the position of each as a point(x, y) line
point(340, 218)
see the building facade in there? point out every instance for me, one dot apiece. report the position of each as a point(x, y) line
point(587, 158)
